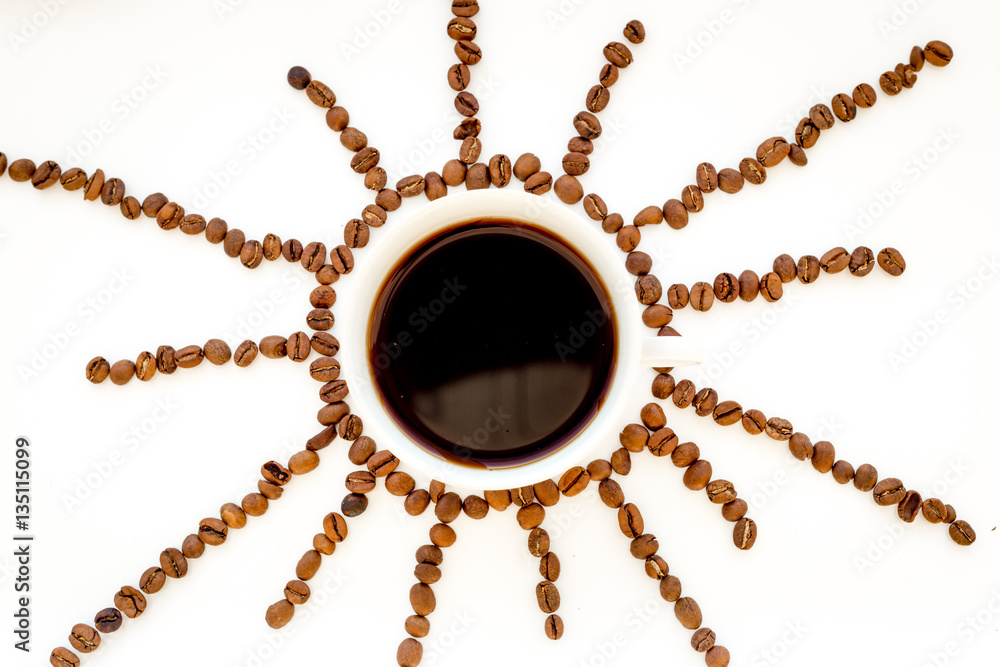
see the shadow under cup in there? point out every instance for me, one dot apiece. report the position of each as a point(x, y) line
point(493, 343)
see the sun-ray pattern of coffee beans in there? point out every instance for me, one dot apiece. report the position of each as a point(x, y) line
point(339, 422)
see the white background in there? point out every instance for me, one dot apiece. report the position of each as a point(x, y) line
point(845, 574)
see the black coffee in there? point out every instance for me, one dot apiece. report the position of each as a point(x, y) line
point(493, 343)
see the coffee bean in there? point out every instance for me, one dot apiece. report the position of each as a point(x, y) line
point(217, 229)
point(657, 316)
point(909, 506)
point(411, 186)
point(98, 370)
point(648, 289)
point(500, 171)
point(611, 493)
point(807, 269)
point(754, 421)
point(844, 107)
point(320, 94)
point(726, 287)
point(112, 193)
point(91, 191)
point(717, 656)
point(670, 588)
point(530, 516)
point(675, 215)
point(361, 450)
point(770, 287)
point(891, 261)
point(130, 601)
point(461, 27)
point(702, 296)
point(938, 53)
point(360, 481)
point(575, 164)
point(608, 75)
point(356, 234)
point(753, 171)
point(702, 640)
point(470, 149)
point(417, 626)
point(613, 223)
point(890, 83)
point(638, 264)
point(630, 521)
point(365, 159)
point(797, 156)
point(663, 387)
point(333, 413)
point(279, 614)
point(688, 613)
point(245, 353)
point(212, 531)
point(720, 491)
point(806, 133)
point(299, 77)
point(662, 442)
point(342, 259)
point(823, 456)
point(416, 502)
point(475, 508)
point(553, 626)
point(960, 531)
point(353, 139)
point(835, 260)
point(907, 73)
point(549, 567)
point(47, 174)
point(192, 547)
point(354, 504)
point(866, 477)
point(252, 254)
point(745, 533)
point(727, 413)
point(800, 446)
point(548, 596)
point(108, 620)
point(678, 296)
point(170, 216)
point(335, 527)
point(889, 491)
point(84, 638)
point(122, 371)
point(934, 510)
point(470, 127)
point(917, 58)
point(337, 118)
point(465, 7)
point(587, 125)
point(704, 401)
point(448, 507)
point(22, 170)
point(538, 542)
point(697, 475)
point(951, 516)
point(778, 428)
point(651, 215)
point(303, 462)
point(466, 104)
point(350, 428)
point(130, 208)
point(734, 510)
point(692, 198)
point(772, 151)
point(597, 98)
point(538, 183)
point(685, 454)
point(254, 504)
point(568, 189)
point(684, 393)
point(459, 76)
point(173, 563)
point(498, 500)
point(574, 481)
point(233, 242)
point(442, 535)
point(862, 261)
point(152, 580)
point(468, 52)
point(619, 55)
point(730, 181)
point(73, 179)
point(633, 437)
point(864, 96)
point(382, 463)
point(233, 515)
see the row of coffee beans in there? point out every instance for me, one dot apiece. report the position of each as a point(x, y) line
point(576, 162)
point(885, 492)
point(644, 547)
point(727, 287)
point(167, 360)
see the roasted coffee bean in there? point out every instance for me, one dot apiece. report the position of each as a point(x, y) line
point(864, 96)
point(656, 567)
point(217, 229)
point(820, 116)
point(459, 76)
point(685, 454)
point(917, 58)
point(634, 32)
point(332, 414)
point(630, 521)
point(891, 261)
point(909, 506)
point(704, 401)
point(800, 446)
point(613, 223)
point(382, 463)
point(618, 54)
point(806, 133)
point(644, 546)
point(697, 475)
point(274, 472)
point(47, 174)
point(797, 156)
point(411, 186)
point(720, 491)
point(599, 469)
point(553, 626)
point(648, 289)
point(580, 145)
point(173, 563)
point(337, 118)
point(538, 183)
point(745, 533)
point(254, 504)
point(670, 588)
point(108, 620)
point(678, 296)
point(152, 580)
point(335, 527)
point(862, 261)
point(365, 159)
point(297, 592)
point(470, 149)
point(122, 371)
point(466, 104)
point(889, 491)
point(279, 614)
point(638, 263)
point(442, 535)
point(587, 125)
point(470, 127)
point(98, 370)
point(245, 353)
point(324, 344)
point(575, 164)
point(350, 428)
point(907, 73)
point(538, 542)
point(960, 531)
point(546, 492)
point(675, 215)
point(770, 287)
point(427, 573)
point(890, 83)
point(217, 351)
point(498, 500)
point(835, 261)
point(772, 151)
point(753, 171)
point(702, 640)
point(549, 567)
point(22, 170)
point(951, 516)
point(778, 428)
point(356, 234)
point(574, 481)
point(568, 189)
point(754, 421)
point(320, 94)
point(475, 508)
point(597, 98)
point(354, 504)
point(468, 52)
point(726, 287)
point(934, 510)
point(91, 191)
point(308, 565)
point(361, 450)
point(416, 502)
point(417, 626)
point(634, 437)
point(688, 613)
point(652, 416)
point(130, 208)
point(662, 442)
point(530, 516)
point(692, 198)
point(730, 181)
point(233, 515)
point(702, 296)
point(84, 638)
point(522, 496)
point(360, 481)
point(657, 316)
point(299, 78)
point(706, 177)
point(748, 285)
point(684, 393)
point(548, 596)
point(500, 171)
point(145, 366)
point(651, 215)
point(823, 456)
point(807, 269)
point(318, 319)
point(303, 462)
point(252, 254)
point(71, 179)
point(274, 347)
point(611, 493)
point(938, 53)
point(192, 547)
point(785, 267)
point(734, 510)
point(233, 242)
point(465, 7)
point(717, 656)
point(212, 531)
point(727, 413)
point(130, 601)
point(608, 75)
point(448, 508)
point(844, 107)
point(461, 27)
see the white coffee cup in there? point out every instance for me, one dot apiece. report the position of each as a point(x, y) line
point(638, 347)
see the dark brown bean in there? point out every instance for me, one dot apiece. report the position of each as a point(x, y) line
point(835, 260)
point(800, 446)
point(778, 428)
point(611, 493)
point(568, 189)
point(688, 613)
point(538, 183)
point(279, 614)
point(862, 261)
point(618, 54)
point(84, 638)
point(675, 214)
point(934, 510)
point(864, 96)
point(772, 151)
point(890, 83)
point(821, 116)
point(702, 296)
point(130, 601)
point(108, 620)
point(698, 475)
point(71, 179)
point(587, 125)
point(734, 510)
point(745, 533)
point(891, 261)
point(692, 198)
point(730, 181)
point(173, 563)
point(844, 107)
point(770, 287)
point(824, 456)
point(960, 531)
point(320, 94)
point(47, 174)
point(889, 491)
point(909, 506)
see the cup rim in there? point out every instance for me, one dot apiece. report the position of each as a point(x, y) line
point(444, 213)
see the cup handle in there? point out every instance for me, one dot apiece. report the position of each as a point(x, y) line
point(660, 351)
